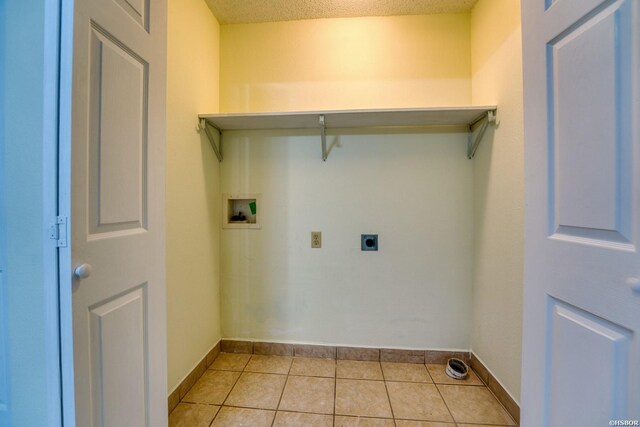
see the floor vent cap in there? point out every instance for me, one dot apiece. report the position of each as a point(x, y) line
point(457, 369)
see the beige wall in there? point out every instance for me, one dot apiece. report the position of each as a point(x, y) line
point(193, 189)
point(407, 61)
point(413, 189)
point(498, 176)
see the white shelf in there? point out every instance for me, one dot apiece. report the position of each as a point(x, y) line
point(343, 119)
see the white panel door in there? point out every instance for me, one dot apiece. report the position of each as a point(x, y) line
point(117, 219)
point(581, 354)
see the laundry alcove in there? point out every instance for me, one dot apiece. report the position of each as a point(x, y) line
point(448, 226)
point(404, 174)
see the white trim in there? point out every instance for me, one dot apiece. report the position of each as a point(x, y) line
point(4, 356)
point(50, 207)
point(64, 209)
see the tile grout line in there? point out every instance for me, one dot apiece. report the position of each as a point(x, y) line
point(384, 380)
point(429, 374)
point(214, 417)
point(282, 392)
point(231, 389)
point(445, 403)
point(335, 388)
point(234, 384)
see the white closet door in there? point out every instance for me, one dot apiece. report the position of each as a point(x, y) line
point(581, 355)
point(117, 218)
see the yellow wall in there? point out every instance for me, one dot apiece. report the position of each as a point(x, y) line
point(380, 62)
point(499, 191)
point(193, 189)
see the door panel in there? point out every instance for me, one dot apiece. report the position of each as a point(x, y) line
point(590, 196)
point(137, 9)
point(118, 146)
point(117, 219)
point(116, 325)
point(581, 352)
point(577, 334)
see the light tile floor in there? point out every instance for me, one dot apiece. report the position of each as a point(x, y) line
point(279, 391)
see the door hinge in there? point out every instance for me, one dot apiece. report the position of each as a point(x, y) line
point(58, 232)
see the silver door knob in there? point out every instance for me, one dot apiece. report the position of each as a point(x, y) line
point(83, 271)
point(634, 284)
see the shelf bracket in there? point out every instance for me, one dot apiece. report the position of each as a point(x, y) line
point(475, 138)
point(323, 138)
point(211, 135)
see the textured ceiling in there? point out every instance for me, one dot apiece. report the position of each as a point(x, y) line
point(250, 11)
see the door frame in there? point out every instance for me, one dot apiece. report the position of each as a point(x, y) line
point(4, 349)
point(54, 125)
point(65, 280)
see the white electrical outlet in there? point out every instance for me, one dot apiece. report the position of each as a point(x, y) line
point(316, 239)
